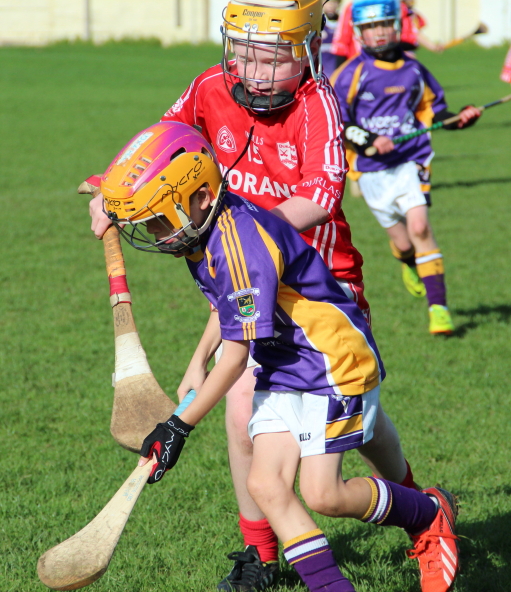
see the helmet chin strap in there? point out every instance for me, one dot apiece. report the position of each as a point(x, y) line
point(262, 105)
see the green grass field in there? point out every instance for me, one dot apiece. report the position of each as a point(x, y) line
point(66, 111)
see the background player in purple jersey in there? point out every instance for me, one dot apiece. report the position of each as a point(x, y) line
point(331, 11)
point(318, 380)
point(384, 93)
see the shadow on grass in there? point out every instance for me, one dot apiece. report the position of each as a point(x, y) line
point(474, 183)
point(493, 125)
point(481, 315)
point(485, 551)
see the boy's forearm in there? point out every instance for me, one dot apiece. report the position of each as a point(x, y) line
point(226, 372)
point(209, 342)
point(301, 213)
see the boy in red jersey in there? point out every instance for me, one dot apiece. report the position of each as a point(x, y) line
point(295, 166)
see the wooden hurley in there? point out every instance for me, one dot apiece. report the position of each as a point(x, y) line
point(84, 557)
point(481, 29)
point(139, 401)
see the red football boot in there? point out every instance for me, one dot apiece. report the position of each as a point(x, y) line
point(437, 548)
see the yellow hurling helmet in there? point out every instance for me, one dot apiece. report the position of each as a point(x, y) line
point(154, 176)
point(274, 24)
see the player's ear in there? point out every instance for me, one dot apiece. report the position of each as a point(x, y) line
point(204, 197)
point(315, 45)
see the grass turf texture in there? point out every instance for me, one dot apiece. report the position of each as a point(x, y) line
point(66, 111)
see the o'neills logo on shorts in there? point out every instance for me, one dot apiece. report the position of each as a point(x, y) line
point(247, 12)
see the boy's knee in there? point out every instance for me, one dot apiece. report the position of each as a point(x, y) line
point(327, 501)
point(266, 491)
point(419, 229)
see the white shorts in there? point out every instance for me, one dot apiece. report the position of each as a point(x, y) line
point(320, 424)
point(391, 193)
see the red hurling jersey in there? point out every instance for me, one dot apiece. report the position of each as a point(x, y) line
point(296, 152)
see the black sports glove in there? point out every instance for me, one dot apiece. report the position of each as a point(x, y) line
point(166, 441)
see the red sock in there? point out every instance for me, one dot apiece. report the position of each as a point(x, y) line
point(408, 480)
point(260, 534)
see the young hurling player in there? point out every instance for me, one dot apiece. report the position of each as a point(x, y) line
point(385, 93)
point(345, 44)
point(319, 374)
point(295, 165)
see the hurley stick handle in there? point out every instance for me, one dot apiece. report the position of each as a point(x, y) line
point(113, 253)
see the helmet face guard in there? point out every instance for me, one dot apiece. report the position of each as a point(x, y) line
point(154, 176)
point(270, 25)
point(375, 13)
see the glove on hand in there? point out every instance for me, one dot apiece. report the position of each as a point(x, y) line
point(166, 441)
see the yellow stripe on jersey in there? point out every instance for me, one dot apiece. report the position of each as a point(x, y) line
point(344, 426)
point(273, 250)
point(238, 248)
point(211, 268)
point(235, 262)
point(230, 253)
point(337, 72)
point(355, 81)
point(389, 65)
point(351, 365)
point(424, 112)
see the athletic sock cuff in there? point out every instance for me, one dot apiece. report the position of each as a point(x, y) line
point(306, 545)
point(381, 501)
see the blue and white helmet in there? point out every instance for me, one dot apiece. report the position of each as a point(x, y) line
point(371, 12)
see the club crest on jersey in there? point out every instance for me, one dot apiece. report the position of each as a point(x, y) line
point(333, 171)
point(288, 155)
point(246, 305)
point(225, 140)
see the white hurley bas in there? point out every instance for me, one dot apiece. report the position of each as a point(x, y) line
point(139, 401)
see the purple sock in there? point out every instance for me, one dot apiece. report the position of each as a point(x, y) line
point(435, 289)
point(311, 556)
point(395, 505)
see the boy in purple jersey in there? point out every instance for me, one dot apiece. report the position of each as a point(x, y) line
point(385, 93)
point(331, 12)
point(319, 373)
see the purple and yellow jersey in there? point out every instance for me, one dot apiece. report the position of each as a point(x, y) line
point(272, 288)
point(389, 99)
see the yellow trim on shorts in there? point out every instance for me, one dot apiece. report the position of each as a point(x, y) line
point(345, 426)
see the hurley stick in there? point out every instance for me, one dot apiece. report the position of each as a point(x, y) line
point(371, 150)
point(139, 401)
point(84, 557)
point(482, 28)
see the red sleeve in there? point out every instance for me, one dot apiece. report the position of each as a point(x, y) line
point(189, 108)
point(324, 165)
point(343, 43)
point(184, 109)
point(409, 30)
